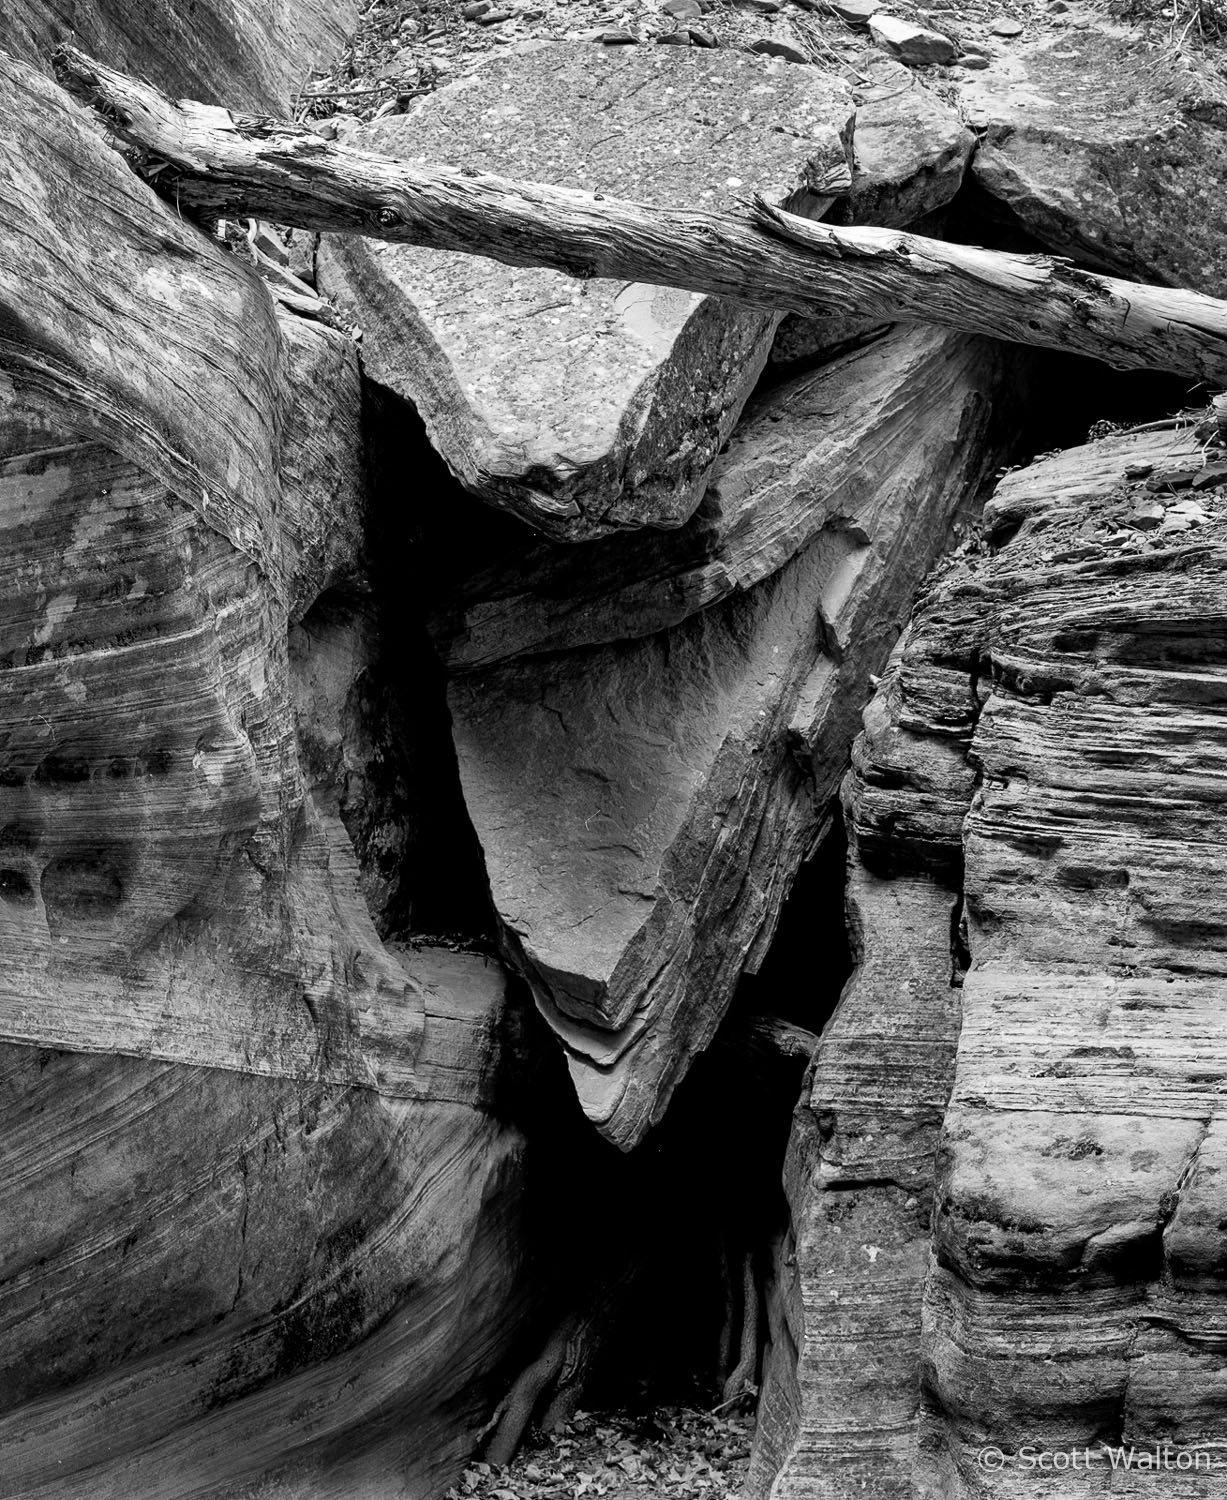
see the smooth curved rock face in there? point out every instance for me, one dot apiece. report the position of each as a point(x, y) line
point(1108, 153)
point(643, 806)
point(1046, 745)
point(216, 1283)
point(244, 54)
point(818, 457)
point(588, 407)
point(259, 1197)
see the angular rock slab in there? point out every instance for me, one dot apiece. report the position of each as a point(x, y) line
point(821, 455)
point(643, 806)
point(1108, 152)
point(587, 407)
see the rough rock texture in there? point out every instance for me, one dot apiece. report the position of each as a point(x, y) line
point(260, 1197)
point(916, 45)
point(587, 407)
point(643, 806)
point(245, 54)
point(910, 147)
point(1108, 152)
point(821, 455)
point(1052, 720)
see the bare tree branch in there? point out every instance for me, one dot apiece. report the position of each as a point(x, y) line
point(221, 164)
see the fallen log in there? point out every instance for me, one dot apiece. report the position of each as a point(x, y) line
point(217, 163)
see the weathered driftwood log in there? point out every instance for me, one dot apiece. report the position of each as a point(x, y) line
point(214, 162)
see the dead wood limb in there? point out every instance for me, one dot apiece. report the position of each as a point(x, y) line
point(222, 164)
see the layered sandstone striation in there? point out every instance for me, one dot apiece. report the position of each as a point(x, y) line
point(261, 1191)
point(643, 805)
point(1046, 728)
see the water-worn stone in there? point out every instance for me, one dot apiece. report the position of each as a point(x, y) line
point(246, 54)
point(878, 428)
point(259, 1195)
point(915, 45)
point(1112, 155)
point(586, 407)
point(643, 806)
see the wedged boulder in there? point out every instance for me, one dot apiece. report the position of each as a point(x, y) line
point(1045, 747)
point(244, 54)
point(588, 407)
point(643, 806)
point(1108, 151)
point(824, 455)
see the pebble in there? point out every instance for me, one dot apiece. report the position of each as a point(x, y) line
point(619, 37)
point(974, 61)
point(702, 38)
point(674, 39)
point(682, 10)
point(856, 13)
point(1172, 479)
point(1210, 478)
point(771, 48)
point(909, 43)
point(1006, 26)
point(1145, 515)
point(493, 17)
point(478, 8)
point(1139, 471)
point(764, 7)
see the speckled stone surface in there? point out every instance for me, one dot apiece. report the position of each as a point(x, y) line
point(586, 407)
point(1108, 152)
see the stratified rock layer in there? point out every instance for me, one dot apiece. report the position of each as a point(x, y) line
point(261, 1225)
point(1046, 744)
point(245, 54)
point(586, 407)
point(1108, 152)
point(643, 806)
point(821, 456)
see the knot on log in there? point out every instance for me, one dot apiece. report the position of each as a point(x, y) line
point(389, 218)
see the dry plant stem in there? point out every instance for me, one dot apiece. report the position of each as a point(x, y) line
point(223, 164)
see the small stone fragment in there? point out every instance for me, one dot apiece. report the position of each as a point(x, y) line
point(770, 47)
point(674, 39)
point(619, 37)
point(1172, 479)
point(1139, 471)
point(914, 45)
point(1006, 26)
point(702, 38)
point(856, 13)
point(493, 17)
point(682, 10)
point(974, 61)
point(1145, 515)
point(764, 7)
point(478, 8)
point(1211, 477)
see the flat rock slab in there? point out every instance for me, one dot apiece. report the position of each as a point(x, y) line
point(644, 805)
point(587, 407)
point(1108, 152)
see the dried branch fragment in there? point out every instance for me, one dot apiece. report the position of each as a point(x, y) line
point(220, 163)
